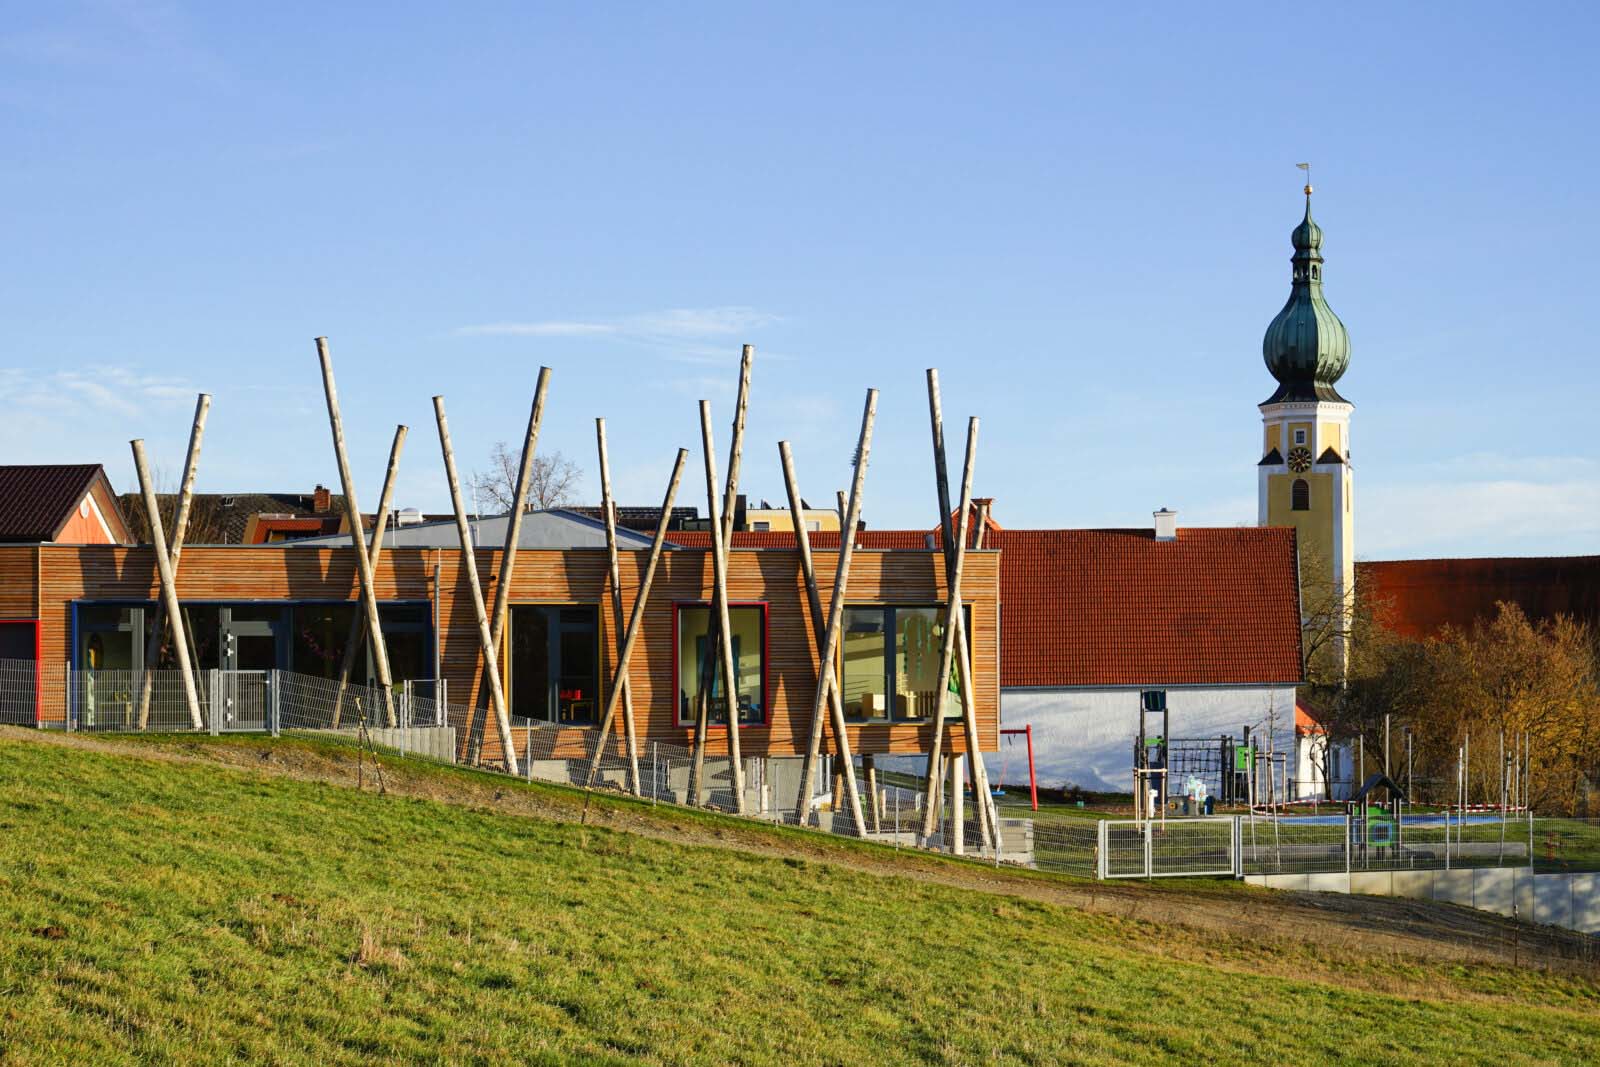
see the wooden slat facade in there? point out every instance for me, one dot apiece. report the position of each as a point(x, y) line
point(19, 581)
point(66, 574)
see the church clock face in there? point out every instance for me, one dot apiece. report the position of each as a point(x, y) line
point(1299, 459)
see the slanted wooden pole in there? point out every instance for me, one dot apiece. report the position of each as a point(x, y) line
point(983, 526)
point(725, 528)
point(839, 503)
point(358, 540)
point(830, 642)
point(819, 624)
point(180, 524)
point(469, 559)
point(730, 496)
point(941, 474)
point(352, 643)
point(608, 507)
point(957, 622)
point(636, 617)
point(719, 608)
point(519, 504)
point(169, 584)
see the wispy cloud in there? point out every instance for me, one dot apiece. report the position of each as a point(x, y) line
point(101, 388)
point(683, 333)
point(538, 329)
point(1443, 518)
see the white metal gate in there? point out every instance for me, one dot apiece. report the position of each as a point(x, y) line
point(1166, 848)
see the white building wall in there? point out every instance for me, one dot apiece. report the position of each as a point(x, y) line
point(1085, 736)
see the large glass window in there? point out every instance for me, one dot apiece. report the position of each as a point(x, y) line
point(698, 663)
point(555, 662)
point(865, 676)
point(407, 634)
point(890, 663)
point(315, 642)
point(319, 635)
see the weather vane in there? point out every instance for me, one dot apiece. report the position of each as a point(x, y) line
point(1307, 168)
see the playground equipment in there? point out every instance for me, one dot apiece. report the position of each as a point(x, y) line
point(1026, 732)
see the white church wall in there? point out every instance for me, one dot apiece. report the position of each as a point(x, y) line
point(1085, 736)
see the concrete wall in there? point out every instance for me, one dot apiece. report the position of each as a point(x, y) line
point(1085, 736)
point(1570, 900)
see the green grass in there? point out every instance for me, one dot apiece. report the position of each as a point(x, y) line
point(187, 914)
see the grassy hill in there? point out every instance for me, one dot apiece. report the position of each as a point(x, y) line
point(164, 907)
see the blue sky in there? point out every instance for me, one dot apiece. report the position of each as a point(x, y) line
point(1080, 214)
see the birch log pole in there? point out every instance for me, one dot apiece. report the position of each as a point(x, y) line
point(725, 528)
point(369, 592)
point(808, 571)
point(169, 585)
point(519, 504)
point(608, 508)
point(841, 577)
point(180, 524)
point(719, 607)
point(380, 523)
point(730, 497)
point(469, 558)
point(636, 618)
point(941, 475)
point(983, 799)
point(953, 634)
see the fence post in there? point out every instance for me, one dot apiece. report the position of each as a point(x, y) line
point(1149, 847)
point(1447, 838)
point(276, 710)
point(66, 687)
point(216, 701)
point(527, 750)
point(1103, 839)
point(1530, 839)
point(1236, 843)
point(1348, 844)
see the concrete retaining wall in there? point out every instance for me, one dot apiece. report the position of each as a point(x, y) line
point(1570, 900)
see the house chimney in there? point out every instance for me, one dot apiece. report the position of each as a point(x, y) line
point(321, 500)
point(1166, 525)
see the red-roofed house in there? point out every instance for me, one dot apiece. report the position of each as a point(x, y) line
point(69, 504)
point(1093, 619)
point(1090, 620)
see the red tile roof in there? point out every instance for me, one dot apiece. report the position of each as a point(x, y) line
point(1100, 608)
point(1419, 597)
point(1118, 607)
point(36, 501)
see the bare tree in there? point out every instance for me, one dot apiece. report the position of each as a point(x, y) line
point(207, 523)
point(553, 481)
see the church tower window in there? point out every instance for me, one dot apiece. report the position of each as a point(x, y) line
point(1300, 496)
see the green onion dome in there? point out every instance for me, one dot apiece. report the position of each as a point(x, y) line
point(1306, 347)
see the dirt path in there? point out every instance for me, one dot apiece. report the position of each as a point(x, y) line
point(1342, 930)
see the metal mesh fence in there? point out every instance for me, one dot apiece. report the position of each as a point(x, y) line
point(418, 719)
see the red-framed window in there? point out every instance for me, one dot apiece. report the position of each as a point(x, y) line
point(21, 689)
point(694, 657)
